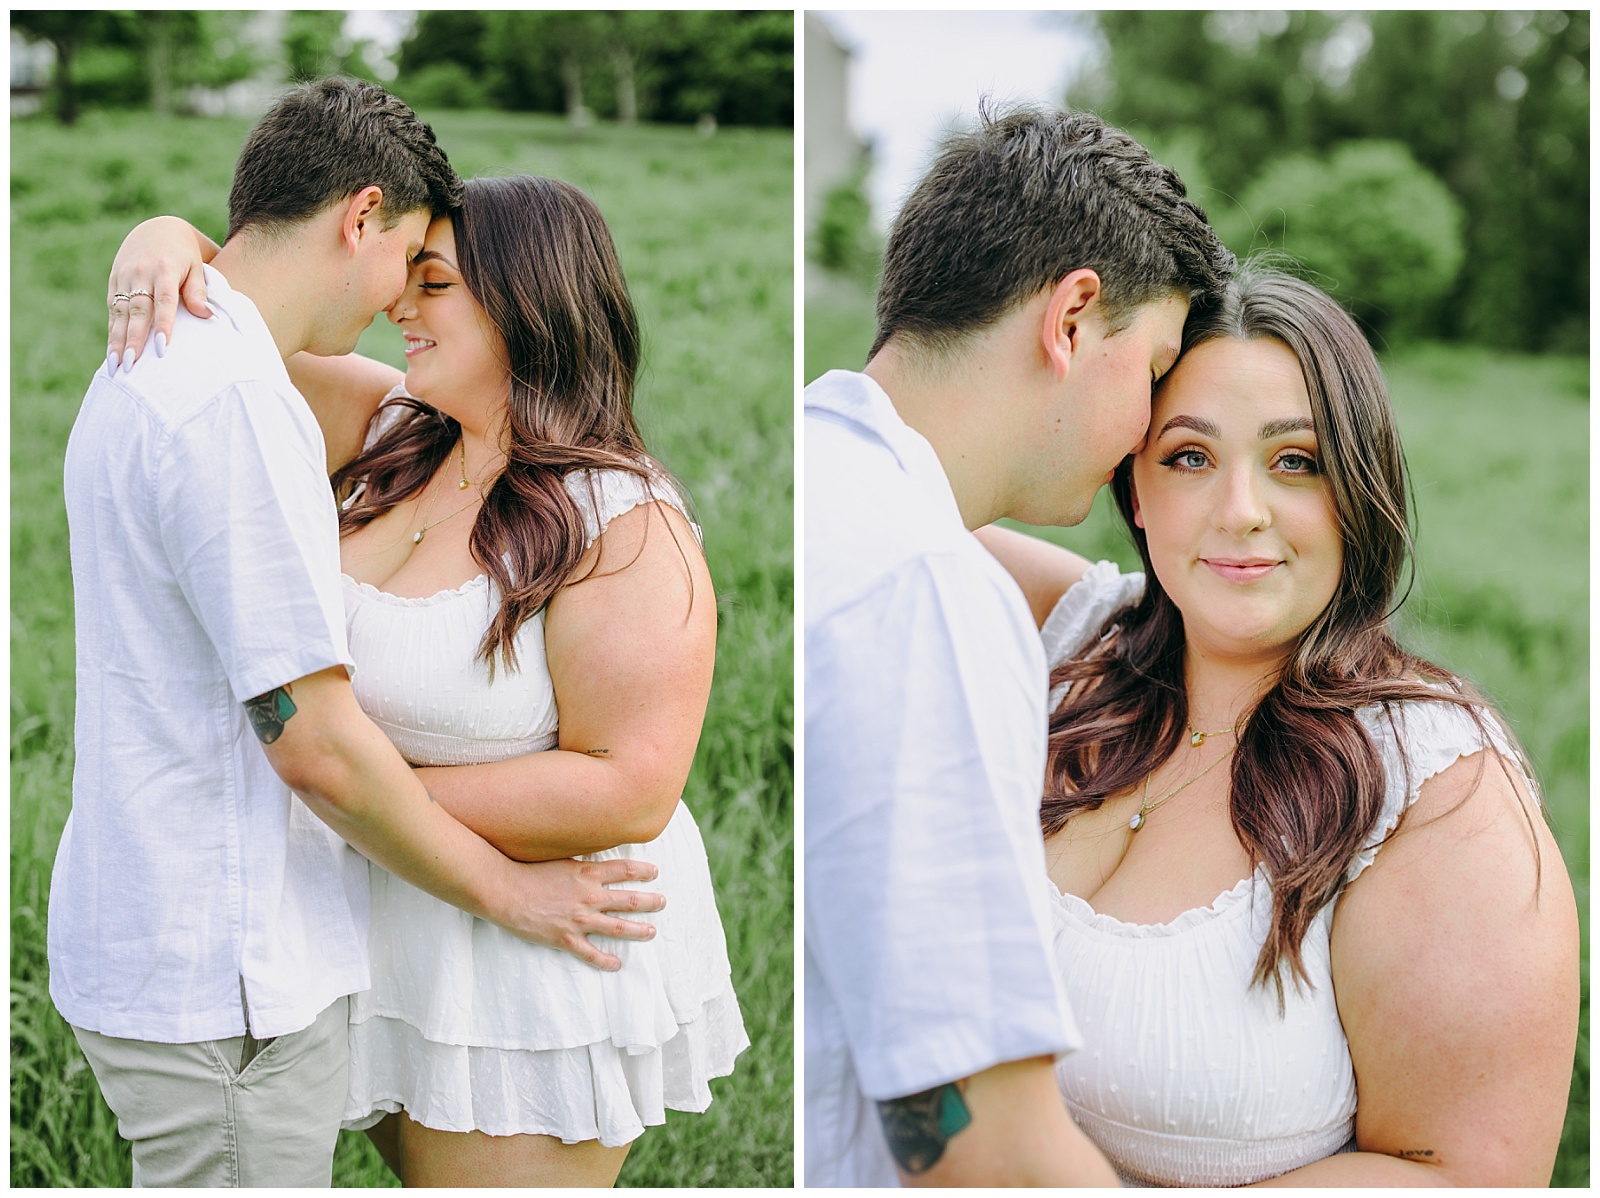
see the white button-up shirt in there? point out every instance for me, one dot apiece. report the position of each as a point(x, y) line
point(927, 930)
point(205, 570)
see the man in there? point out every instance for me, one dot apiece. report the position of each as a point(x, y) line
point(1035, 286)
point(205, 928)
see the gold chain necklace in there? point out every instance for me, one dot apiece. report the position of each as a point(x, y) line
point(1146, 806)
point(423, 531)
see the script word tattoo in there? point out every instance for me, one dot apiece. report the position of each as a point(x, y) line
point(269, 713)
point(1416, 1153)
point(919, 1126)
point(597, 752)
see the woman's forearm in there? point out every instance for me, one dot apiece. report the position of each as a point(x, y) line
point(559, 803)
point(1370, 1169)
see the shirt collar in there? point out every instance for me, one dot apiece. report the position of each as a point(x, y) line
point(850, 397)
point(241, 312)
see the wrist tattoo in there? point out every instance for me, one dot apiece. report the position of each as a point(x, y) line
point(597, 752)
point(1413, 1153)
point(269, 713)
point(919, 1126)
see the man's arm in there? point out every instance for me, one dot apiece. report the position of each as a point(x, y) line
point(346, 771)
point(1006, 1126)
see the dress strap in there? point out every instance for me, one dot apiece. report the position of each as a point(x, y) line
point(1418, 741)
point(1078, 615)
point(603, 495)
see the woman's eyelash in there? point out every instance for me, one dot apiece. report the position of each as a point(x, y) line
point(1172, 458)
point(434, 286)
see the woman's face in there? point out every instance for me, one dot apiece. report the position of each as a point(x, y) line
point(455, 357)
point(1241, 527)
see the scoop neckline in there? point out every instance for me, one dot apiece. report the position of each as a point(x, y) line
point(442, 596)
point(1182, 922)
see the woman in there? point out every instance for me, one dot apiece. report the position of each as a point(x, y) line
point(511, 551)
point(1289, 858)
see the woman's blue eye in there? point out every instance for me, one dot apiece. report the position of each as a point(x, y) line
point(1186, 459)
point(1298, 463)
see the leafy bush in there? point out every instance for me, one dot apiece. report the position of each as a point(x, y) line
point(844, 241)
point(442, 85)
point(1368, 223)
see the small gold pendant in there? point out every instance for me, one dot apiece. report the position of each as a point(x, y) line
point(417, 540)
point(463, 486)
point(1136, 822)
point(1197, 739)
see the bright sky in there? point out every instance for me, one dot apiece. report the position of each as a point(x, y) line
point(914, 73)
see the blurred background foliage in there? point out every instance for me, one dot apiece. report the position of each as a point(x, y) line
point(1431, 169)
point(679, 67)
point(1270, 118)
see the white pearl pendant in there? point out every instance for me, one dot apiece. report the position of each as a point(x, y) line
point(1137, 821)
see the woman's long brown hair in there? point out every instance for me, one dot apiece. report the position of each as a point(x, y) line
point(1307, 781)
point(537, 256)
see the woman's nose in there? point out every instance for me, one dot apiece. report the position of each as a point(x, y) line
point(1242, 506)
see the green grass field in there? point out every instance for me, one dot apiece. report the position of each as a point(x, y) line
point(704, 230)
point(1498, 446)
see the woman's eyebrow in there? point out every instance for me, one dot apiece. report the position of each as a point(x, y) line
point(1199, 424)
point(432, 256)
point(1289, 424)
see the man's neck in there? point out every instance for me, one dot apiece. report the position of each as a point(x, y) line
point(960, 407)
point(274, 276)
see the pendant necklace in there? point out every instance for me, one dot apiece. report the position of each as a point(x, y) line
point(1145, 804)
point(421, 532)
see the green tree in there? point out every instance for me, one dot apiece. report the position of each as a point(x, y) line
point(1370, 226)
point(1494, 104)
point(68, 32)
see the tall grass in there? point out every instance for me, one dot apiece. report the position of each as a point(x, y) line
point(1498, 450)
point(703, 228)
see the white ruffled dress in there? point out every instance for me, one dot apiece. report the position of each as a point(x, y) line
point(1188, 1075)
point(467, 1027)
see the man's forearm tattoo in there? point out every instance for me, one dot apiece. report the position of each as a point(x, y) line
point(919, 1126)
point(269, 713)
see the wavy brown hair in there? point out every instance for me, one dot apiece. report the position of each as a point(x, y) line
point(1307, 783)
point(537, 256)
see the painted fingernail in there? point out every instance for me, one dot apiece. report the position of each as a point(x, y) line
point(111, 362)
point(127, 362)
point(161, 345)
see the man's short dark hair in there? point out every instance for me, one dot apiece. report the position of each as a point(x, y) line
point(1027, 198)
point(327, 140)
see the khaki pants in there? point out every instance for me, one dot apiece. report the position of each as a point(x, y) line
point(234, 1112)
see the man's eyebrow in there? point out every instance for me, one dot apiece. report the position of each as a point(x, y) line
point(1289, 424)
point(1199, 424)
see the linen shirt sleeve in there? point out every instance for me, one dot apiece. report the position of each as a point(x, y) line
point(925, 903)
point(249, 527)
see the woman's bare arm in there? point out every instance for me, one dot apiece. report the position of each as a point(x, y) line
point(1455, 966)
point(1045, 572)
point(342, 393)
point(630, 651)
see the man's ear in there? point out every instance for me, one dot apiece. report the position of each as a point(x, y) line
point(1133, 494)
point(1073, 298)
point(360, 215)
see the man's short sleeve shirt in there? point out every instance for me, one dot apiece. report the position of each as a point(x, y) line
point(205, 562)
point(927, 921)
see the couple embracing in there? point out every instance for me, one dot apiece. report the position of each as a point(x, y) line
point(361, 766)
point(1190, 876)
